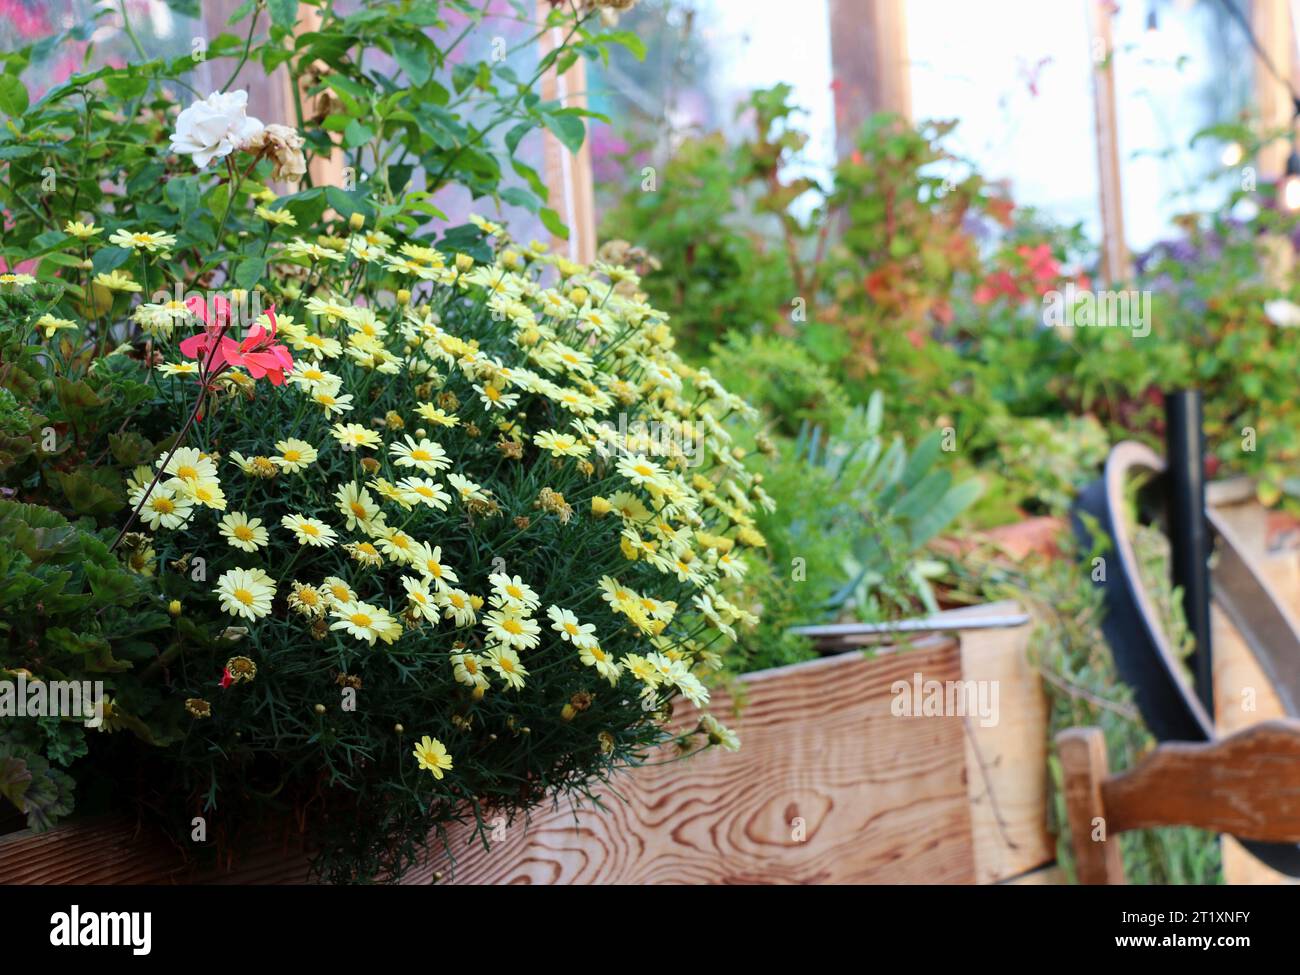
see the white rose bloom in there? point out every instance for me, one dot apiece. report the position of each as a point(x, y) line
point(1282, 313)
point(215, 127)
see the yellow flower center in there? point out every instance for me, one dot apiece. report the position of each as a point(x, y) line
point(243, 533)
point(571, 629)
point(292, 456)
point(360, 619)
point(311, 530)
point(512, 626)
point(514, 592)
point(244, 596)
point(358, 509)
point(163, 506)
point(421, 454)
point(187, 473)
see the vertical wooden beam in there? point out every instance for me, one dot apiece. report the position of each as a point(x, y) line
point(1115, 257)
point(869, 64)
point(568, 174)
point(323, 170)
point(1084, 768)
point(1270, 22)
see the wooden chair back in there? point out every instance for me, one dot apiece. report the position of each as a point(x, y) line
point(1247, 784)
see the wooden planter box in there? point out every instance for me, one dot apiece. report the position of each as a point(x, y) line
point(830, 786)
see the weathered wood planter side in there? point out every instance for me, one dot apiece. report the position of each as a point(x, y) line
point(830, 786)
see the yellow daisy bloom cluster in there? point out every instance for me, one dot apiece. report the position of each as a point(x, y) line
point(507, 461)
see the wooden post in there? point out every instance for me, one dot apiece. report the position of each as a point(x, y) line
point(323, 170)
point(1270, 22)
point(1115, 257)
point(568, 174)
point(869, 64)
point(1084, 768)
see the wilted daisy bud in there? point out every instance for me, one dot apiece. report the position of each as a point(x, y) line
point(464, 262)
point(586, 467)
point(522, 522)
point(357, 221)
point(393, 420)
point(582, 700)
point(241, 669)
point(552, 502)
point(403, 296)
point(174, 607)
point(606, 742)
point(600, 507)
point(198, 708)
point(370, 465)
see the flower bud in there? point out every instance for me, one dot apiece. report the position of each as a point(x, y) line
point(357, 221)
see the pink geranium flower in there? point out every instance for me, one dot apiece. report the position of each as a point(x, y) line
point(259, 353)
point(216, 351)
